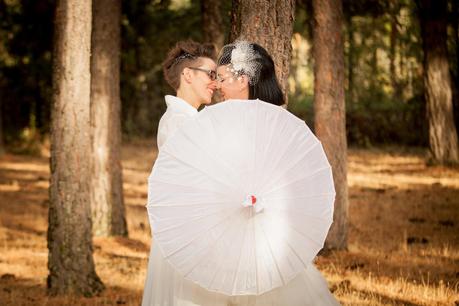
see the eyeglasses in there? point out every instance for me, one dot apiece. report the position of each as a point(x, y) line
point(211, 73)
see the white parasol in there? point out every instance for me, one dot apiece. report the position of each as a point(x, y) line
point(241, 197)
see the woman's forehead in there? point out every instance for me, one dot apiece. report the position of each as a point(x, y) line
point(222, 69)
point(207, 62)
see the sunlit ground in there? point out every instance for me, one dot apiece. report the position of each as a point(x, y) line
point(403, 233)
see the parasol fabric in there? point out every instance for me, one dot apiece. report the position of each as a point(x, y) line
point(241, 197)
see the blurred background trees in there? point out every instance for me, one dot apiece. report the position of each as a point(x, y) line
point(384, 87)
point(384, 74)
point(26, 32)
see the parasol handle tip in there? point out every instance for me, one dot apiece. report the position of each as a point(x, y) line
point(251, 201)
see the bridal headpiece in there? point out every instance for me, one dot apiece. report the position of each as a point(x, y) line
point(242, 60)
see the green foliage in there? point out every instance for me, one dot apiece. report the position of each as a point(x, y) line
point(149, 30)
point(386, 122)
point(303, 107)
point(384, 91)
point(383, 67)
point(369, 123)
point(26, 29)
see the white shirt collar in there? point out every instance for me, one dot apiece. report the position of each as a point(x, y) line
point(179, 105)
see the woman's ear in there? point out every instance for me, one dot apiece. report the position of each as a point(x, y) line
point(243, 82)
point(186, 73)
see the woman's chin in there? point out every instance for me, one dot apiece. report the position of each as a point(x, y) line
point(207, 101)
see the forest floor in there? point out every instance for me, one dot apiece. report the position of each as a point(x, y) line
point(403, 232)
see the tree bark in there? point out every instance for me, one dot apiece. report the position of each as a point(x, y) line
point(2, 144)
point(329, 107)
point(350, 58)
point(455, 72)
point(70, 262)
point(212, 23)
point(374, 82)
point(443, 141)
point(270, 24)
point(394, 34)
point(108, 212)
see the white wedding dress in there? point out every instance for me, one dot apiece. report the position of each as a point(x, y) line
point(164, 286)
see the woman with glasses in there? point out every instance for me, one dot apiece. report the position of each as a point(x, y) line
point(189, 69)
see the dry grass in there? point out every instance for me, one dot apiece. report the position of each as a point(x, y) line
point(403, 233)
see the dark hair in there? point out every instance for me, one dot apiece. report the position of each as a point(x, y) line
point(184, 54)
point(267, 87)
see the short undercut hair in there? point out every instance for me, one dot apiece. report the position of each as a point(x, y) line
point(187, 53)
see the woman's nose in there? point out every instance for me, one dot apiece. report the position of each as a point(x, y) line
point(213, 85)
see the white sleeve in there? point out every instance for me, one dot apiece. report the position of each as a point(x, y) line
point(167, 126)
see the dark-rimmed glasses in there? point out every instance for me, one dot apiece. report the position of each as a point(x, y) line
point(211, 73)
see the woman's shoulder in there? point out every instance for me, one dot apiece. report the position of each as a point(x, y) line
point(171, 119)
point(253, 102)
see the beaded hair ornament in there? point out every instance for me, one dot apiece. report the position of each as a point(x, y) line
point(183, 56)
point(241, 61)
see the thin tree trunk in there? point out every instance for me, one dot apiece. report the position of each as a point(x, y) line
point(108, 212)
point(329, 107)
point(270, 24)
point(455, 75)
point(70, 262)
point(350, 58)
point(212, 23)
point(2, 144)
point(437, 82)
point(374, 82)
point(397, 90)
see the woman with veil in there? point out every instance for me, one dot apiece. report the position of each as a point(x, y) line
point(245, 72)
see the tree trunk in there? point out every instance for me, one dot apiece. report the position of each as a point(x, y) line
point(397, 89)
point(374, 82)
point(437, 82)
point(329, 107)
point(70, 262)
point(2, 144)
point(270, 24)
point(108, 213)
point(455, 75)
point(350, 58)
point(212, 23)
